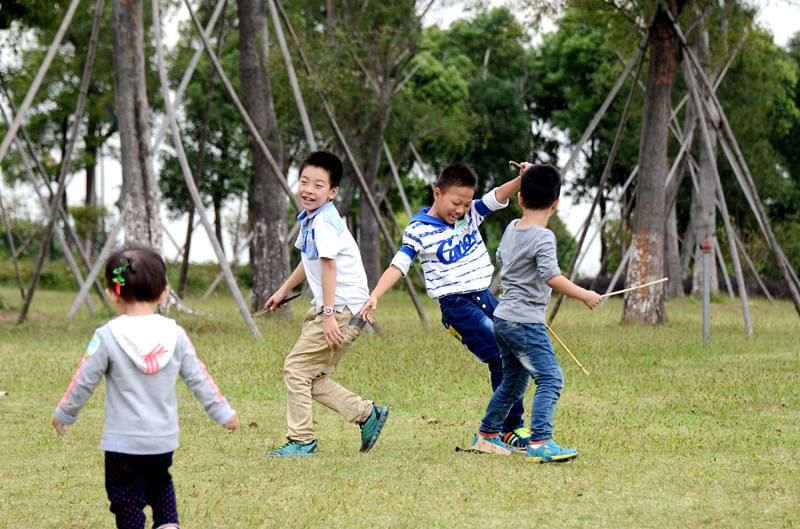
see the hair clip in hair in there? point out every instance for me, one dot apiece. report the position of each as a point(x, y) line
point(118, 275)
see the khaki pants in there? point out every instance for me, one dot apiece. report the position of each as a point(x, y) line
point(307, 371)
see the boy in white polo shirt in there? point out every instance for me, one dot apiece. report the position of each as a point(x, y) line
point(331, 262)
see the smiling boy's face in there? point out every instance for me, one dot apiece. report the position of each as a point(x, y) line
point(314, 188)
point(451, 204)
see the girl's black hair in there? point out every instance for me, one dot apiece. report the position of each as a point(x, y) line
point(140, 272)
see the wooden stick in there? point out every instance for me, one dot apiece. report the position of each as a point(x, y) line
point(551, 331)
point(657, 281)
point(283, 302)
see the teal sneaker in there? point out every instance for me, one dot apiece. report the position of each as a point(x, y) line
point(294, 449)
point(371, 428)
point(517, 438)
point(491, 445)
point(550, 451)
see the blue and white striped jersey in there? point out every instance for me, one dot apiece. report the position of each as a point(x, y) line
point(453, 256)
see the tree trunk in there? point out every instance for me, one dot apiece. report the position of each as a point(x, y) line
point(218, 223)
point(369, 234)
point(183, 278)
point(647, 260)
point(603, 240)
point(703, 203)
point(140, 195)
point(330, 20)
point(269, 256)
point(672, 256)
point(91, 194)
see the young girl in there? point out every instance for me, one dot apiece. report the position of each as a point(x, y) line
point(141, 354)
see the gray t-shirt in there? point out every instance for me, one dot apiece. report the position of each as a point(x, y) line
point(527, 259)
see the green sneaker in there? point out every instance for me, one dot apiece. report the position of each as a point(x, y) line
point(294, 449)
point(517, 438)
point(371, 428)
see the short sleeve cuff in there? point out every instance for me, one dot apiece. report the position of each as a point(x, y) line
point(491, 202)
point(402, 261)
point(550, 273)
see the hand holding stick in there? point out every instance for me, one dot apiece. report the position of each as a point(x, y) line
point(283, 302)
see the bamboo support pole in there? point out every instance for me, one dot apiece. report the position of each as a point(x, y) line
point(736, 158)
point(703, 118)
point(187, 75)
point(637, 57)
point(198, 202)
point(65, 162)
point(356, 169)
point(601, 184)
point(37, 80)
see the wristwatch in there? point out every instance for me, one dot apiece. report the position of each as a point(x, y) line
point(327, 311)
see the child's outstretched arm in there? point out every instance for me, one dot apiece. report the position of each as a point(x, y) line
point(564, 286)
point(294, 279)
point(388, 279)
point(92, 368)
point(503, 192)
point(197, 378)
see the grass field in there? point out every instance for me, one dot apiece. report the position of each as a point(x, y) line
point(672, 434)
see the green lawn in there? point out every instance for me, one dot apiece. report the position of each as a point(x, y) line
point(671, 433)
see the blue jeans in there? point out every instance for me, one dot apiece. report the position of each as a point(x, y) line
point(527, 352)
point(468, 317)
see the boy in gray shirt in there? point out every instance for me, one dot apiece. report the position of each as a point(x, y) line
point(529, 272)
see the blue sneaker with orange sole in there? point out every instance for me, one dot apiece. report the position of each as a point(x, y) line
point(550, 452)
point(491, 444)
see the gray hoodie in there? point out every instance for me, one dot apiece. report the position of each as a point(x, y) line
point(141, 358)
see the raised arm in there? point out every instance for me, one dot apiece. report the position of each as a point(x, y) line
point(503, 192)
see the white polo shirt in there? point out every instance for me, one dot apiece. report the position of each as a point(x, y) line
point(323, 233)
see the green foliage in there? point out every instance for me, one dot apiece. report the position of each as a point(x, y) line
point(89, 221)
point(489, 51)
point(575, 68)
point(227, 162)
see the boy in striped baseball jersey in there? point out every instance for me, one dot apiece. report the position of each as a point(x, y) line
point(458, 271)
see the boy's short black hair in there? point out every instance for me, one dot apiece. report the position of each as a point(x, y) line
point(541, 185)
point(141, 272)
point(325, 160)
point(457, 174)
